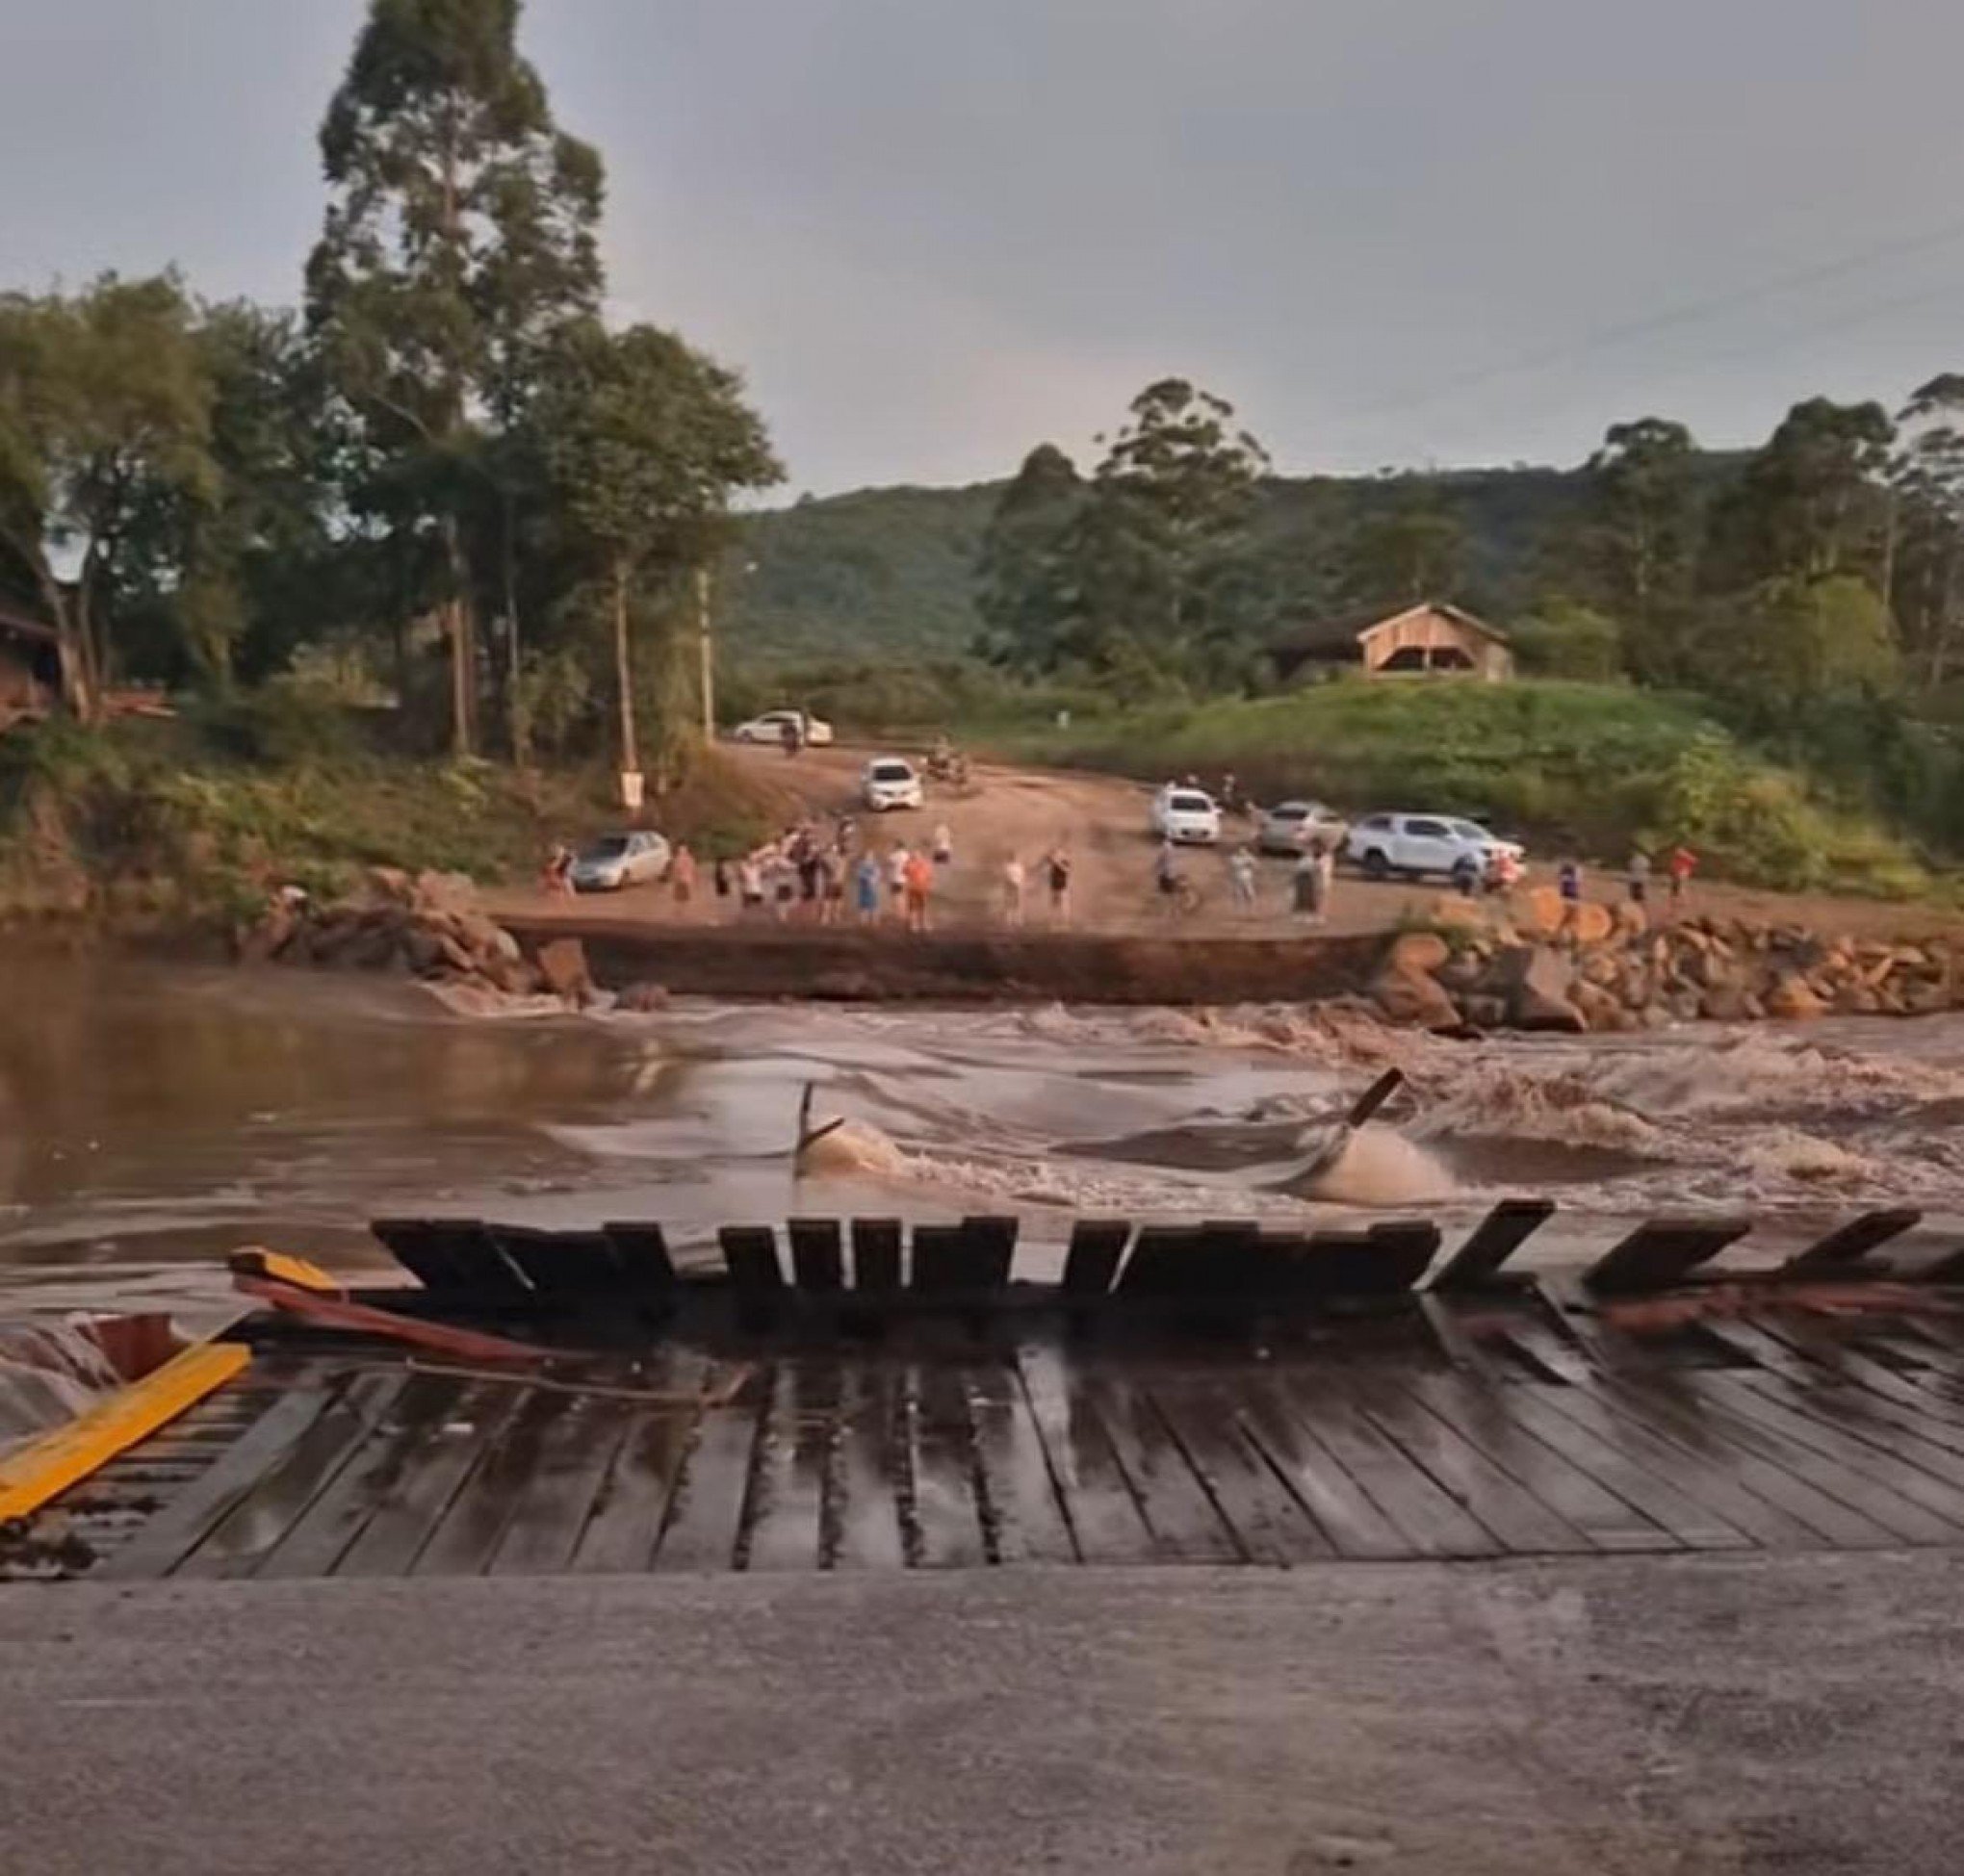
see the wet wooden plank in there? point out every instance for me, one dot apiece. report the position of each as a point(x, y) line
point(642, 1252)
point(1754, 1499)
point(1873, 1415)
point(1098, 1245)
point(1652, 1490)
point(871, 1477)
point(796, 1437)
point(1022, 1521)
point(749, 1254)
point(1340, 1507)
point(465, 1537)
point(876, 1256)
point(331, 1524)
point(1486, 1418)
point(946, 1513)
point(1267, 1521)
point(1504, 1505)
point(1383, 1261)
point(818, 1255)
point(415, 1501)
point(1851, 1243)
point(1434, 1521)
point(1165, 1264)
point(631, 1502)
point(422, 1247)
point(177, 1529)
point(561, 1266)
point(1883, 1482)
point(1662, 1252)
point(1489, 1245)
point(1828, 1505)
point(559, 1494)
point(241, 1541)
point(706, 1509)
point(1183, 1523)
point(1106, 1524)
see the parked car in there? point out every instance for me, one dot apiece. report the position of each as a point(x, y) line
point(620, 859)
point(1383, 844)
point(1289, 826)
point(769, 728)
point(890, 781)
point(1186, 815)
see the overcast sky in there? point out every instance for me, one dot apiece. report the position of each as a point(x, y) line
point(934, 232)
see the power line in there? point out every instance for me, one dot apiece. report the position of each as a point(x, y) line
point(1687, 313)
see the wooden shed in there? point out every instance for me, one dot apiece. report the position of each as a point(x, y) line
point(1429, 639)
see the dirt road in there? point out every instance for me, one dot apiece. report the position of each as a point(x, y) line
point(1102, 820)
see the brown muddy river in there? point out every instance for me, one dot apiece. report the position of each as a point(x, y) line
point(152, 1118)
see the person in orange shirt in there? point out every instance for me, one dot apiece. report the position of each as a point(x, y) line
point(918, 878)
point(1681, 865)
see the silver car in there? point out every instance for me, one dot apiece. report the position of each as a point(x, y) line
point(620, 859)
point(1289, 826)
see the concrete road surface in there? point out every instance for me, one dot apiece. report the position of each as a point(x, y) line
point(1794, 1716)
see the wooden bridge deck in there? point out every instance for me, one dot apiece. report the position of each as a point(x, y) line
point(1457, 1428)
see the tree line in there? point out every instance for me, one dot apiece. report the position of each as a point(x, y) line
point(1824, 565)
point(444, 461)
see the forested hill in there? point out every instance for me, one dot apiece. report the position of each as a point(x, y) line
point(891, 571)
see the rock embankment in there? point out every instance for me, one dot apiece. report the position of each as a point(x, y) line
point(1589, 969)
point(427, 926)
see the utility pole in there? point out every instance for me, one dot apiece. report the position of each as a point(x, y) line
point(707, 651)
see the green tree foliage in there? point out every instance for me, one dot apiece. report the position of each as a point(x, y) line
point(1148, 572)
point(1810, 505)
point(1564, 639)
point(1026, 589)
point(1925, 566)
point(460, 240)
point(105, 416)
point(645, 441)
point(1414, 549)
point(1641, 541)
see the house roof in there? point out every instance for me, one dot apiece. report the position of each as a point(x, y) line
point(1339, 634)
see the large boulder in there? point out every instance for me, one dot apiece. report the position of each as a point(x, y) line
point(1793, 999)
point(1536, 980)
point(1424, 951)
point(1412, 996)
point(1590, 923)
point(1601, 1009)
point(562, 968)
point(1457, 912)
point(1726, 1001)
point(435, 891)
point(642, 999)
point(278, 927)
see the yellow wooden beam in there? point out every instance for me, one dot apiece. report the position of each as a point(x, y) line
point(36, 1473)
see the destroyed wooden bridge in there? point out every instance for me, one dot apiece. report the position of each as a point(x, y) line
point(543, 1402)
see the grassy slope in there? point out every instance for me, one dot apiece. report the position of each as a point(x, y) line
point(147, 821)
point(1590, 767)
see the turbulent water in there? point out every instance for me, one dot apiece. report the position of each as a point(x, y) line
point(152, 1118)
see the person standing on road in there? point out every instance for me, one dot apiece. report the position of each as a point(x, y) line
point(1057, 868)
point(919, 882)
point(896, 879)
point(1639, 876)
point(943, 845)
point(750, 884)
point(1166, 877)
point(866, 889)
point(682, 878)
point(1313, 883)
point(723, 886)
point(1680, 867)
point(1012, 892)
point(1240, 876)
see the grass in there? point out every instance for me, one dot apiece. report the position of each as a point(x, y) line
point(166, 823)
point(1592, 769)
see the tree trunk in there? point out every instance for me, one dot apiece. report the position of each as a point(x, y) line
point(463, 647)
point(514, 697)
point(624, 673)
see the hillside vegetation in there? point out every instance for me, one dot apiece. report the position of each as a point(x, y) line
point(1586, 769)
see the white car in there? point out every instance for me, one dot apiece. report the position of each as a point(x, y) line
point(890, 781)
point(1186, 816)
point(814, 731)
point(1289, 826)
point(1383, 844)
point(620, 859)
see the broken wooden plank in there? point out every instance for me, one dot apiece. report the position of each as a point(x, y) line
point(1662, 1252)
point(1849, 1243)
point(818, 1255)
point(1098, 1245)
point(876, 1257)
point(1495, 1239)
